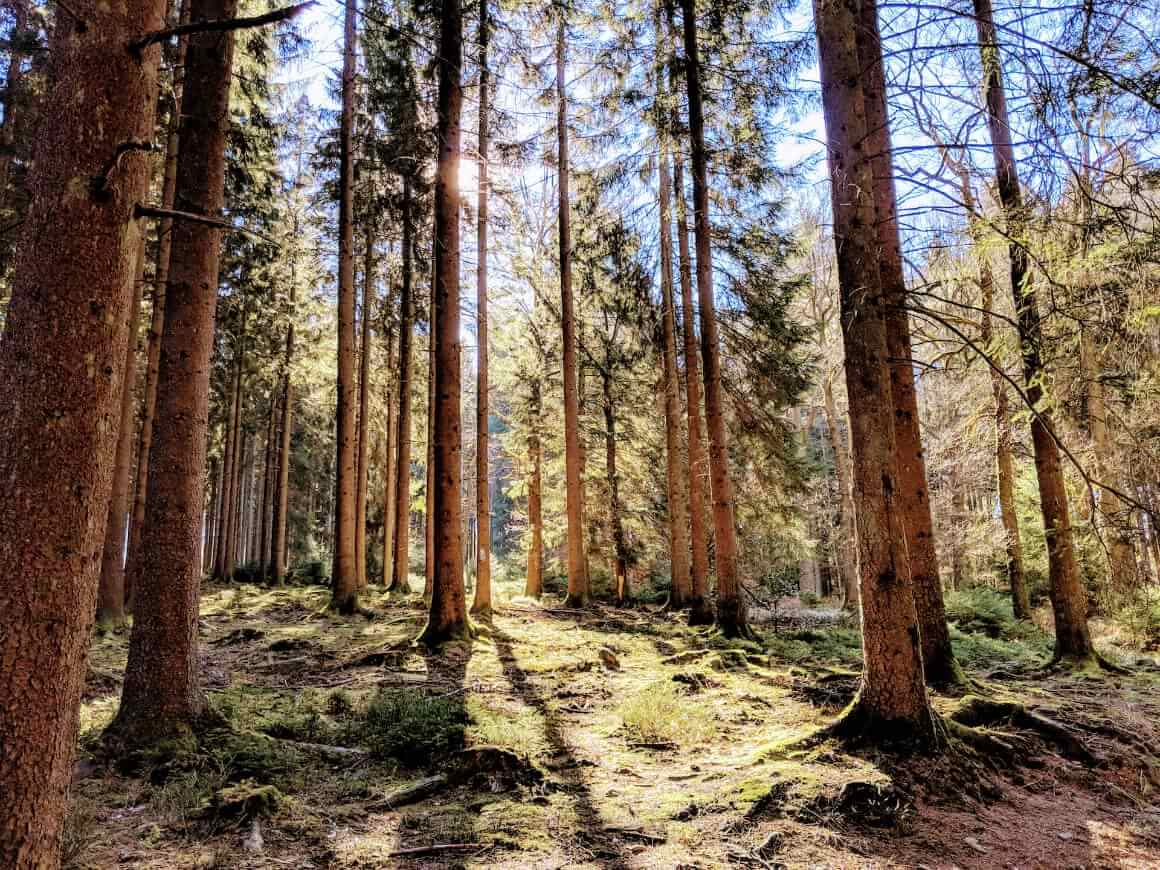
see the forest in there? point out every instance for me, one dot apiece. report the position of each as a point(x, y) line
point(605, 433)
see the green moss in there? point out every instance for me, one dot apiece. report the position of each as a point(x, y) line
point(410, 726)
point(247, 800)
point(659, 713)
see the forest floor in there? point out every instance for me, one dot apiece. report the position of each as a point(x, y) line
point(631, 741)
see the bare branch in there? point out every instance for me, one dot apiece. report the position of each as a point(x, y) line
point(218, 26)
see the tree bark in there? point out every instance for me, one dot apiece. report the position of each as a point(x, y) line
point(364, 407)
point(700, 613)
point(429, 488)
point(730, 603)
point(891, 704)
point(619, 545)
point(482, 602)
point(162, 695)
point(400, 582)
point(390, 453)
point(1073, 642)
point(282, 496)
point(233, 518)
point(13, 84)
point(448, 614)
point(847, 547)
point(577, 568)
point(937, 656)
point(534, 587)
point(111, 588)
point(265, 555)
point(61, 364)
point(157, 318)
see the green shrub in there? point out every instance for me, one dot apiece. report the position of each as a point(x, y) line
point(412, 727)
point(980, 610)
point(809, 599)
point(311, 573)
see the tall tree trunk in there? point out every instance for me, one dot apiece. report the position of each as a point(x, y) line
point(577, 568)
point(847, 547)
point(448, 614)
point(892, 703)
point(62, 359)
point(730, 604)
point(162, 695)
point(700, 612)
point(344, 581)
point(364, 408)
point(937, 656)
point(390, 453)
point(111, 588)
point(233, 518)
point(264, 549)
point(282, 496)
point(429, 490)
point(1073, 642)
point(157, 318)
point(1004, 438)
point(215, 495)
point(678, 494)
point(406, 364)
point(229, 465)
point(482, 602)
point(534, 587)
point(619, 545)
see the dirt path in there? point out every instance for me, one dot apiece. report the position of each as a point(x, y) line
point(658, 746)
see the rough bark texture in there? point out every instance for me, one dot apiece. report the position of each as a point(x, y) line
point(111, 589)
point(675, 482)
point(390, 453)
point(1068, 600)
point(400, 580)
point(619, 543)
point(429, 488)
point(937, 656)
point(700, 613)
point(577, 558)
point(344, 575)
point(847, 548)
point(891, 701)
point(482, 602)
point(282, 489)
point(364, 396)
point(157, 317)
point(265, 548)
point(61, 366)
point(535, 578)
point(162, 694)
point(730, 603)
point(448, 614)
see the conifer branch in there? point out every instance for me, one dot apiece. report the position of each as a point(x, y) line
point(219, 26)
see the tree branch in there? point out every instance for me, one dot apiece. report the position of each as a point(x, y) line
point(218, 26)
point(149, 211)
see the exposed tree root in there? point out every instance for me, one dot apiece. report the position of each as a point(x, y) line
point(433, 637)
point(976, 712)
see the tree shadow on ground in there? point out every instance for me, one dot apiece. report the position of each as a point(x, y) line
point(592, 833)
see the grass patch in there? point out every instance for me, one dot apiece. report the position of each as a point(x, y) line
point(521, 731)
point(831, 644)
point(412, 727)
point(661, 714)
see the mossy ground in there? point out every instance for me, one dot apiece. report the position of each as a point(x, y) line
point(686, 754)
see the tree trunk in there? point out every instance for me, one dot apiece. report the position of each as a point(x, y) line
point(448, 614)
point(1073, 642)
point(619, 545)
point(111, 588)
point(364, 408)
point(162, 695)
point(847, 547)
point(157, 319)
point(233, 518)
point(482, 602)
point(429, 489)
point(535, 578)
point(61, 359)
point(937, 656)
point(730, 604)
point(215, 496)
point(577, 568)
point(700, 613)
point(282, 496)
point(230, 465)
point(400, 582)
point(264, 548)
point(390, 453)
point(13, 85)
point(892, 704)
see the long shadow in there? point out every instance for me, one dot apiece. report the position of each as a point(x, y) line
point(591, 829)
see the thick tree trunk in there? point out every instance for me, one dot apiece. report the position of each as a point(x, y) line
point(157, 319)
point(937, 656)
point(620, 585)
point(1068, 601)
point(62, 363)
point(700, 612)
point(282, 491)
point(344, 582)
point(892, 703)
point(482, 602)
point(577, 558)
point(162, 695)
point(448, 614)
point(111, 589)
point(364, 408)
point(847, 546)
point(678, 494)
point(400, 582)
point(535, 580)
point(730, 603)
